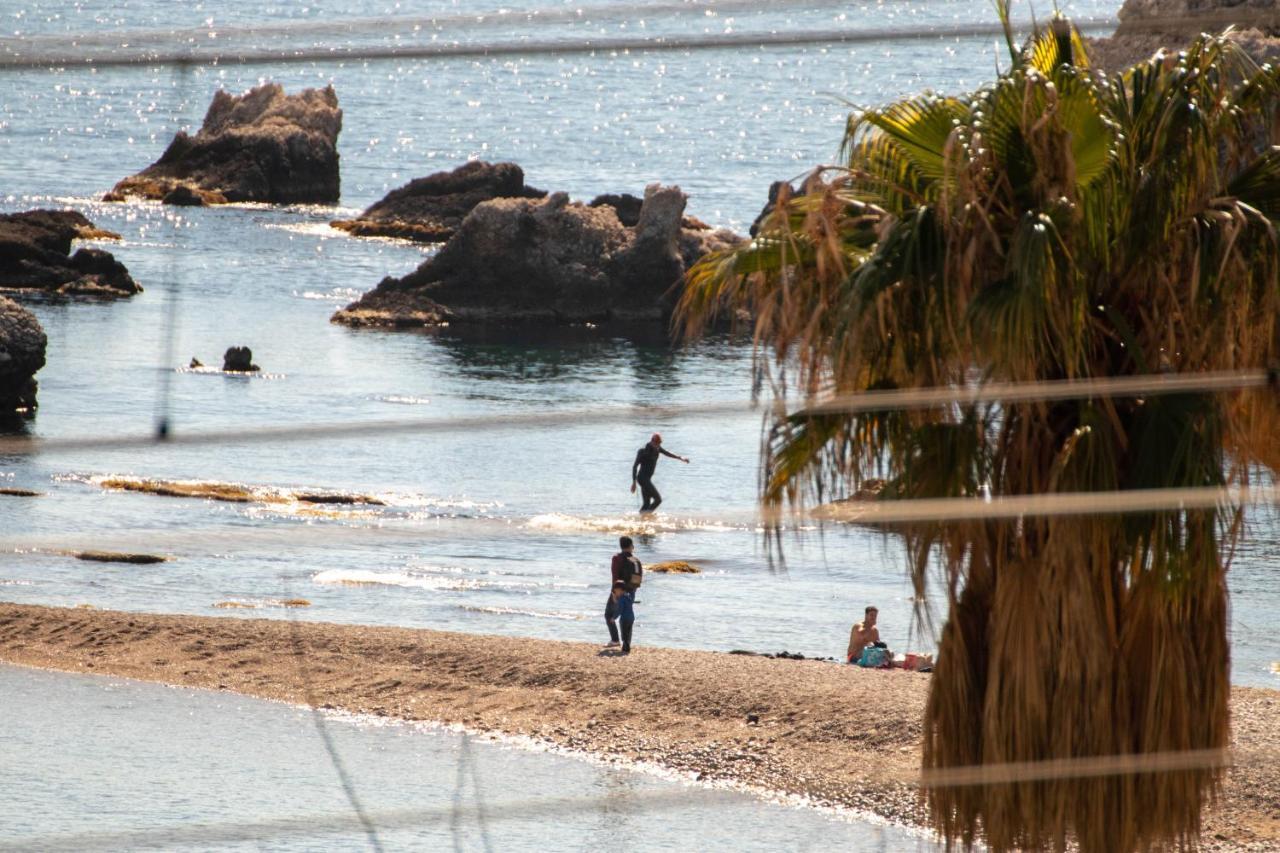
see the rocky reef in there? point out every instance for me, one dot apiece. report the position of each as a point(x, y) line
point(262, 146)
point(22, 346)
point(431, 209)
point(35, 255)
point(547, 261)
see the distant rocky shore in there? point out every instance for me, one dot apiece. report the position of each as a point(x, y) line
point(1146, 26)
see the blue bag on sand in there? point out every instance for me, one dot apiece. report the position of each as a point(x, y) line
point(872, 656)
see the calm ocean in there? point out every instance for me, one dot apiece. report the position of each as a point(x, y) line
point(506, 530)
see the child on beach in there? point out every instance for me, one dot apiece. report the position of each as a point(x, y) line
point(623, 599)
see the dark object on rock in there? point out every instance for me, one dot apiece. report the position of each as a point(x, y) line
point(752, 719)
point(262, 146)
point(774, 189)
point(35, 254)
point(22, 346)
point(431, 209)
point(195, 362)
point(625, 205)
point(115, 557)
point(239, 360)
point(184, 196)
point(18, 493)
point(696, 238)
point(543, 261)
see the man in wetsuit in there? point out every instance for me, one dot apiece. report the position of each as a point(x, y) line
point(642, 471)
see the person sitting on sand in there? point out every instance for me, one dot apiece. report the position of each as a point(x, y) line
point(626, 615)
point(626, 569)
point(644, 466)
point(864, 633)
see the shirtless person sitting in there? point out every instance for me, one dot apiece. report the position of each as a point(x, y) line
point(864, 633)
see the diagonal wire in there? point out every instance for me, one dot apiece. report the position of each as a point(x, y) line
point(326, 737)
point(169, 327)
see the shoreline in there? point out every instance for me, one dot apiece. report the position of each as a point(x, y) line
point(758, 724)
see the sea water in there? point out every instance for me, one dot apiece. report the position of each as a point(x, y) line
point(96, 763)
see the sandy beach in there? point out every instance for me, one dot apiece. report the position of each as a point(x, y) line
point(839, 735)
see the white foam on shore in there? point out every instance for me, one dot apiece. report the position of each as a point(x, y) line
point(516, 611)
point(341, 295)
point(368, 577)
point(402, 399)
point(559, 522)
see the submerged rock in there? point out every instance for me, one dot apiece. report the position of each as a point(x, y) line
point(35, 254)
point(674, 567)
point(117, 557)
point(22, 347)
point(262, 146)
point(519, 260)
point(431, 209)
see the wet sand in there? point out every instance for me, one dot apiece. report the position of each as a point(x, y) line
point(839, 735)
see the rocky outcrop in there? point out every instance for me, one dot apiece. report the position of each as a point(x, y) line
point(238, 360)
point(544, 261)
point(262, 146)
point(1149, 25)
point(35, 255)
point(431, 209)
point(22, 345)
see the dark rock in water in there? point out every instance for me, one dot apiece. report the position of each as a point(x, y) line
point(9, 491)
point(543, 261)
point(431, 209)
point(35, 249)
point(195, 362)
point(22, 346)
point(262, 146)
point(239, 360)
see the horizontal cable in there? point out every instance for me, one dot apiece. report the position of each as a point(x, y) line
point(867, 401)
point(513, 48)
point(501, 17)
point(1044, 505)
point(1075, 768)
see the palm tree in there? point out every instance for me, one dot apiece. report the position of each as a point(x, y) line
point(1059, 224)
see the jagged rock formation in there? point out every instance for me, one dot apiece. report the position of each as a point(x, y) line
point(35, 249)
point(22, 346)
point(696, 239)
point(431, 209)
point(543, 261)
point(262, 146)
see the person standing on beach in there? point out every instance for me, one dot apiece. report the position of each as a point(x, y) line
point(626, 615)
point(642, 471)
point(625, 569)
point(863, 634)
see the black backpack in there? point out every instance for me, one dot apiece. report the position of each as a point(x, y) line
point(632, 571)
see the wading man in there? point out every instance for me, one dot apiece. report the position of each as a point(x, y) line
point(642, 471)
